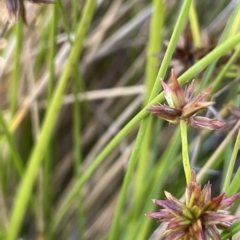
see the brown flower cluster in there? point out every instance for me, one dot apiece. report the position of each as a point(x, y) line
point(16, 8)
point(187, 53)
point(183, 106)
point(199, 218)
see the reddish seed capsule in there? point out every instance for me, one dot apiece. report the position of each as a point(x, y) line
point(199, 217)
point(183, 106)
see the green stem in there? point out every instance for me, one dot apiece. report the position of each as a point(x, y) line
point(235, 25)
point(64, 19)
point(17, 161)
point(234, 185)
point(154, 47)
point(185, 157)
point(195, 26)
point(16, 70)
point(78, 153)
point(47, 164)
point(114, 232)
point(224, 70)
point(232, 163)
point(75, 13)
point(25, 189)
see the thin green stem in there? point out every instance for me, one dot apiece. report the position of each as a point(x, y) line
point(75, 13)
point(234, 27)
point(25, 189)
point(51, 65)
point(234, 185)
point(157, 180)
point(78, 153)
point(195, 26)
point(225, 68)
point(143, 162)
point(47, 166)
point(16, 70)
point(232, 163)
point(185, 156)
point(154, 47)
point(64, 19)
point(76, 129)
point(17, 161)
point(114, 231)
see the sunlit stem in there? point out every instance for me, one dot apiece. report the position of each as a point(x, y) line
point(232, 163)
point(185, 157)
point(194, 25)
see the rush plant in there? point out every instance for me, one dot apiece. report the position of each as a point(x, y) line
point(94, 124)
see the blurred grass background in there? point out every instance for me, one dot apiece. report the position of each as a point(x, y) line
point(67, 89)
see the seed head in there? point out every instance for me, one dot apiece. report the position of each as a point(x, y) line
point(199, 217)
point(183, 106)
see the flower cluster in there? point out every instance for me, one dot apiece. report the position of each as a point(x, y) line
point(187, 53)
point(200, 217)
point(16, 8)
point(183, 106)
